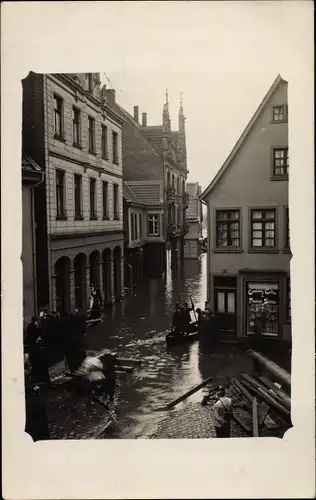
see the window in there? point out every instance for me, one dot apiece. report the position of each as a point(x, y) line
point(115, 202)
point(225, 302)
point(140, 221)
point(153, 225)
point(78, 195)
point(105, 197)
point(178, 185)
point(281, 161)
point(168, 180)
point(58, 116)
point(60, 180)
point(92, 198)
point(263, 309)
point(263, 228)
point(132, 227)
point(279, 113)
point(287, 228)
point(227, 228)
point(91, 135)
point(76, 126)
point(104, 141)
point(115, 147)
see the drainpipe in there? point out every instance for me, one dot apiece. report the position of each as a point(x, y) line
point(34, 243)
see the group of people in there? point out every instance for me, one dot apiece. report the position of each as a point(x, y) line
point(182, 318)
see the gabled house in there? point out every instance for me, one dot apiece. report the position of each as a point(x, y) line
point(134, 215)
point(154, 167)
point(248, 282)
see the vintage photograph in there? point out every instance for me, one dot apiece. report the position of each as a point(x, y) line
point(156, 289)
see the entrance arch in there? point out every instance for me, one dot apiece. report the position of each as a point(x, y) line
point(117, 273)
point(62, 282)
point(107, 277)
point(94, 262)
point(80, 281)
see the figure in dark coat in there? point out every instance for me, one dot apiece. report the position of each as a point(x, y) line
point(34, 346)
point(185, 311)
point(36, 420)
point(177, 320)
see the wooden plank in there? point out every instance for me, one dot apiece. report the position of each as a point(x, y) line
point(268, 399)
point(275, 370)
point(279, 392)
point(242, 424)
point(189, 393)
point(255, 425)
point(242, 390)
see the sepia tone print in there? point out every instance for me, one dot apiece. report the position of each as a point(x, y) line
point(156, 305)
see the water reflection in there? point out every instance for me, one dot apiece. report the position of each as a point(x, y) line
point(137, 328)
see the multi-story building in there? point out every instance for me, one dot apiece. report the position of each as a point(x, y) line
point(76, 138)
point(192, 240)
point(248, 227)
point(154, 167)
point(32, 176)
point(134, 237)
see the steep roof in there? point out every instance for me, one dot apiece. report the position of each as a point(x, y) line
point(129, 195)
point(243, 136)
point(147, 192)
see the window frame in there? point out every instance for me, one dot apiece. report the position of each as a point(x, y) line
point(60, 195)
point(93, 198)
point(78, 124)
point(158, 224)
point(91, 139)
point(104, 142)
point(286, 166)
point(263, 248)
point(78, 215)
point(285, 119)
point(228, 248)
point(105, 198)
point(59, 99)
point(116, 204)
point(115, 155)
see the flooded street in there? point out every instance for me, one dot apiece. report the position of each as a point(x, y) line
point(137, 328)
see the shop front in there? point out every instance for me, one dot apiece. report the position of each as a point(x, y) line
point(264, 307)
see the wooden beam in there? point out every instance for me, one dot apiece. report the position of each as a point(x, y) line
point(255, 425)
point(242, 424)
point(189, 393)
point(236, 383)
point(286, 399)
point(265, 396)
point(275, 370)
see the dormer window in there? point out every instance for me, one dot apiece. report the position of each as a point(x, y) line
point(279, 114)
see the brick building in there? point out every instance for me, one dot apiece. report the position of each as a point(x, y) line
point(192, 240)
point(155, 168)
point(71, 132)
point(248, 227)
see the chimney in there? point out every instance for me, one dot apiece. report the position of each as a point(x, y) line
point(144, 119)
point(136, 113)
point(110, 94)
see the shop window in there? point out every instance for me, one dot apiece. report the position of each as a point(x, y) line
point(263, 309)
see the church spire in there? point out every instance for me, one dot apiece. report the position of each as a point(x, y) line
point(165, 114)
point(181, 116)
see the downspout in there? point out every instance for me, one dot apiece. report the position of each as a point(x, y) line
point(34, 243)
point(208, 255)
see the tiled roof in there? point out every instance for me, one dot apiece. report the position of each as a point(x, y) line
point(146, 192)
point(129, 195)
point(29, 164)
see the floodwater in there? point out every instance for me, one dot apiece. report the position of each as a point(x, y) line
point(137, 328)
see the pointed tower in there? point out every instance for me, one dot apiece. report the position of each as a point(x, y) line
point(181, 117)
point(165, 115)
point(181, 136)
